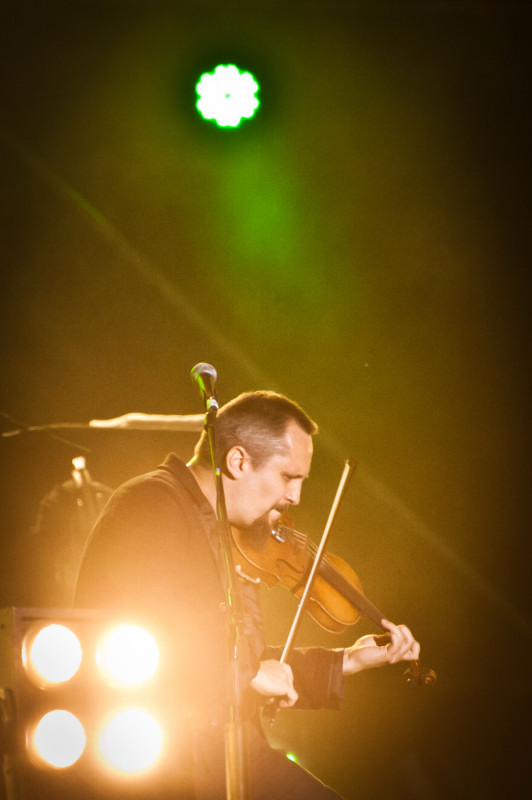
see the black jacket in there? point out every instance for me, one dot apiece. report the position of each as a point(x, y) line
point(153, 556)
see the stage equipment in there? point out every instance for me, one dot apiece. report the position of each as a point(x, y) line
point(85, 709)
point(56, 539)
point(131, 421)
point(236, 766)
point(227, 96)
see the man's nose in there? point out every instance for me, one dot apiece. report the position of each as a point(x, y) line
point(293, 494)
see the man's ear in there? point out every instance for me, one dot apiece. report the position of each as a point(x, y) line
point(237, 461)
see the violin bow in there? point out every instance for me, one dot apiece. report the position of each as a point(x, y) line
point(415, 676)
point(349, 468)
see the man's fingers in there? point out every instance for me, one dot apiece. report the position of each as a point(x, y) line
point(275, 679)
point(403, 645)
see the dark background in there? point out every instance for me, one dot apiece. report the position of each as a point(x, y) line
point(361, 245)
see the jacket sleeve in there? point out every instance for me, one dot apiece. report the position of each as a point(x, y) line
point(318, 676)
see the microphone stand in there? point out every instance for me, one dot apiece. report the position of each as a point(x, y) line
point(236, 771)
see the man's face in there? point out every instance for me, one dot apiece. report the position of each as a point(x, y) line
point(262, 494)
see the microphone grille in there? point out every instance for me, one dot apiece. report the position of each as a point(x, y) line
point(203, 369)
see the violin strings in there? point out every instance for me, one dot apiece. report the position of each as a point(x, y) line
point(301, 538)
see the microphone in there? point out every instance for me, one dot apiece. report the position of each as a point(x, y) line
point(205, 376)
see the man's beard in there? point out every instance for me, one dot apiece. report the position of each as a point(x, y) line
point(263, 528)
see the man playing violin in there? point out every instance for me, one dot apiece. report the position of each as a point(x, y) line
point(155, 553)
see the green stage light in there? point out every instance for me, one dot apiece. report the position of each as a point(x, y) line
point(227, 96)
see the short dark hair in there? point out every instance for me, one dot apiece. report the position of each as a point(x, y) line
point(257, 421)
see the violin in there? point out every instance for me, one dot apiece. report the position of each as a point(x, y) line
point(281, 555)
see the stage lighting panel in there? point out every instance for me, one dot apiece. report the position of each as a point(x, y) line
point(79, 701)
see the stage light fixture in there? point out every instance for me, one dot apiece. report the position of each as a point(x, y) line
point(51, 654)
point(127, 656)
point(130, 741)
point(82, 705)
point(227, 96)
point(59, 738)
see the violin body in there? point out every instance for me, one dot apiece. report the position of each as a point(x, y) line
point(284, 556)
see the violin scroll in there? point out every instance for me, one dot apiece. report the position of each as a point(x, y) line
point(415, 676)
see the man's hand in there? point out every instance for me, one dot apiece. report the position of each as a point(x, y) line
point(275, 680)
point(367, 653)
